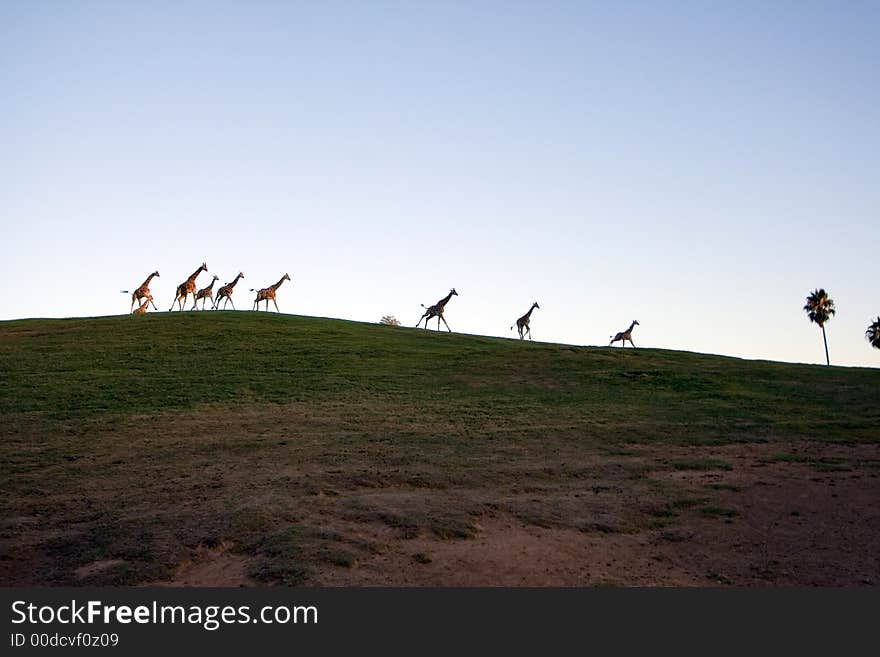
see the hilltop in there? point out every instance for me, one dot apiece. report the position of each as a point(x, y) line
point(257, 448)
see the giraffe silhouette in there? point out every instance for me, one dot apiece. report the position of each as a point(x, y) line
point(437, 311)
point(623, 336)
point(143, 291)
point(268, 293)
point(186, 288)
point(522, 324)
point(225, 293)
point(204, 294)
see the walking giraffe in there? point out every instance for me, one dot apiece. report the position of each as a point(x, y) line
point(225, 293)
point(186, 288)
point(143, 291)
point(623, 336)
point(204, 294)
point(143, 308)
point(522, 324)
point(437, 311)
point(269, 293)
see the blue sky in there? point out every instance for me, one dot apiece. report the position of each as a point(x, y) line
point(699, 167)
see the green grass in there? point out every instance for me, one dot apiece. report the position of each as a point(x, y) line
point(822, 464)
point(723, 486)
point(59, 371)
point(718, 512)
point(701, 464)
point(137, 440)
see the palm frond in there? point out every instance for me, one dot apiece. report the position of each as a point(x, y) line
point(819, 307)
point(873, 333)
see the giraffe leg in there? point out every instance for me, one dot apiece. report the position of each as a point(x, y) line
point(632, 343)
point(154, 303)
point(132, 302)
point(229, 299)
point(276, 305)
point(444, 321)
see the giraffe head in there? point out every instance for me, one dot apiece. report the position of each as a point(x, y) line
point(452, 291)
point(215, 277)
point(635, 322)
point(204, 267)
point(285, 277)
point(156, 274)
point(535, 305)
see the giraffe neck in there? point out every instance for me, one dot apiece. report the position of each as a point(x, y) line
point(278, 284)
point(149, 278)
point(629, 330)
point(445, 300)
point(232, 284)
point(211, 284)
point(195, 275)
point(529, 314)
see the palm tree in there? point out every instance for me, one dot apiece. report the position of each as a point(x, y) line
point(873, 333)
point(820, 308)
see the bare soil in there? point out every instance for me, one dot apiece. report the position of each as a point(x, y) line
point(315, 495)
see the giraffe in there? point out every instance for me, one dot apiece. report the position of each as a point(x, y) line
point(143, 308)
point(187, 287)
point(437, 311)
point(522, 324)
point(268, 293)
point(225, 293)
point(143, 291)
point(623, 336)
point(204, 294)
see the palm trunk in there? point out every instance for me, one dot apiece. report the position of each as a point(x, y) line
point(827, 360)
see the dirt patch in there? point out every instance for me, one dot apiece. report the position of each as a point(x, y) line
point(216, 566)
point(383, 493)
point(507, 552)
point(97, 567)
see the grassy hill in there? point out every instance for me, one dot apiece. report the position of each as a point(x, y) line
point(303, 450)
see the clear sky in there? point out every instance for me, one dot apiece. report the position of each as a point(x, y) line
point(697, 166)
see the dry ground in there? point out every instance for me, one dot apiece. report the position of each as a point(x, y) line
point(312, 494)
